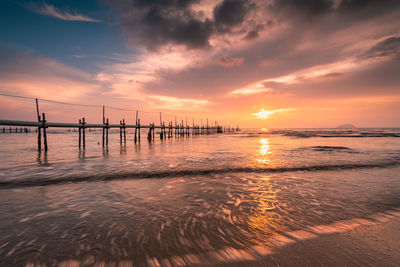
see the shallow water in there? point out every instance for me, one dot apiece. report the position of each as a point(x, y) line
point(186, 196)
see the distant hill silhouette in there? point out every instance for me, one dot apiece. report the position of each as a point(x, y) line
point(346, 126)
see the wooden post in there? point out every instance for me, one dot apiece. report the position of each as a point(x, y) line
point(149, 134)
point(80, 133)
point(107, 132)
point(135, 134)
point(161, 131)
point(104, 121)
point(164, 130)
point(83, 133)
point(123, 121)
point(139, 130)
point(153, 130)
point(44, 131)
point(136, 128)
point(120, 132)
point(38, 129)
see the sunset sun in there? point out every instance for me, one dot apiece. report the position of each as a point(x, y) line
point(263, 114)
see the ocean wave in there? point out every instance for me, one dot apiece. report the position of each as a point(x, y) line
point(329, 148)
point(165, 174)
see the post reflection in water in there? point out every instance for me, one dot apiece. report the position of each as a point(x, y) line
point(42, 158)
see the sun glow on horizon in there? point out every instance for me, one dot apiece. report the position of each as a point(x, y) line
point(265, 114)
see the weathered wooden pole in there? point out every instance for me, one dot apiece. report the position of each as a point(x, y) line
point(83, 133)
point(120, 132)
point(153, 131)
point(104, 121)
point(80, 133)
point(161, 129)
point(182, 130)
point(136, 128)
point(44, 131)
point(107, 126)
point(38, 129)
point(149, 134)
point(139, 130)
point(135, 133)
point(124, 124)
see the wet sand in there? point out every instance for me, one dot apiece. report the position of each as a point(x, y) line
point(366, 245)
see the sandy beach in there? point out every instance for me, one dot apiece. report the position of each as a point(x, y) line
point(366, 245)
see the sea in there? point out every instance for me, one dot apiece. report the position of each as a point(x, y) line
point(199, 200)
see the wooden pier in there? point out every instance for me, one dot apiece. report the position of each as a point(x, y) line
point(165, 131)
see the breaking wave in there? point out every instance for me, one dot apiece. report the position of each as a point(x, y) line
point(165, 174)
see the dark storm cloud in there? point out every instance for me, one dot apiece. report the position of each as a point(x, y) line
point(302, 7)
point(155, 23)
point(353, 5)
point(230, 13)
point(160, 27)
point(366, 9)
point(389, 47)
point(253, 34)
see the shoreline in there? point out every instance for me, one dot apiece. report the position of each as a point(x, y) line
point(370, 241)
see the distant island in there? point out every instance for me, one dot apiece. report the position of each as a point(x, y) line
point(346, 126)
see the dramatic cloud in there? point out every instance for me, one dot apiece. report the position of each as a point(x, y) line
point(191, 23)
point(230, 13)
point(157, 23)
point(389, 47)
point(307, 8)
point(50, 10)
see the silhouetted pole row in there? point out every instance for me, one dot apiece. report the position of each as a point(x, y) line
point(178, 130)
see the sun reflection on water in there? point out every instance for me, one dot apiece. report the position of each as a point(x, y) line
point(263, 219)
point(264, 153)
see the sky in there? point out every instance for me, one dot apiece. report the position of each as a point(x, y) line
point(256, 63)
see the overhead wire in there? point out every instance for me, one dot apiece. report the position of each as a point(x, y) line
point(178, 117)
